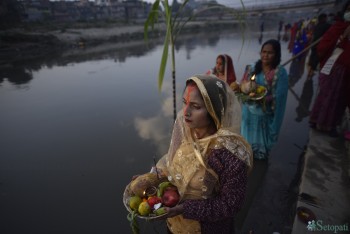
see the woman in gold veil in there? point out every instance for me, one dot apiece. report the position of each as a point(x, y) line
point(207, 160)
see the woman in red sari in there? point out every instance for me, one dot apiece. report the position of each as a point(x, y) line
point(334, 85)
point(224, 69)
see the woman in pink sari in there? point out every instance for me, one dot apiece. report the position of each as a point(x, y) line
point(334, 83)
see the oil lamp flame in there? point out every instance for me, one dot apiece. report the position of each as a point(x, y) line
point(252, 83)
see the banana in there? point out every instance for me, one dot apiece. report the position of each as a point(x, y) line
point(161, 188)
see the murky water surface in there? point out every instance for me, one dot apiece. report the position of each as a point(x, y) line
point(75, 129)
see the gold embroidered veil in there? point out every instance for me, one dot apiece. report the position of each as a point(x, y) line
point(185, 164)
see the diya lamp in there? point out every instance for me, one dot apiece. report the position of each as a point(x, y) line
point(150, 191)
point(252, 83)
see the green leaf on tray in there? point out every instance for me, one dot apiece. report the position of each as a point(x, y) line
point(133, 222)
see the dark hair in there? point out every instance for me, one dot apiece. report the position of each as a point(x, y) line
point(345, 7)
point(322, 17)
point(340, 13)
point(277, 48)
point(217, 95)
point(193, 84)
point(223, 58)
point(223, 63)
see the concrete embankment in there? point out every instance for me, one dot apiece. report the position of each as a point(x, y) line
point(20, 44)
point(324, 194)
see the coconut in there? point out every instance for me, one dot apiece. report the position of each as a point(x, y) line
point(247, 86)
point(142, 182)
point(234, 86)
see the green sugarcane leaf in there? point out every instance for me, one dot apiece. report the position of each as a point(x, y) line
point(167, 39)
point(164, 60)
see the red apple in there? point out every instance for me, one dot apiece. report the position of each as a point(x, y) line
point(170, 197)
point(153, 200)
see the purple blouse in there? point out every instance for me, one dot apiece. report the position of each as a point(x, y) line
point(216, 214)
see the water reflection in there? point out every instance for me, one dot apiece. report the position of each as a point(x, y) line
point(305, 101)
point(19, 71)
point(118, 52)
point(190, 43)
point(296, 70)
point(261, 32)
point(86, 127)
point(16, 75)
point(156, 128)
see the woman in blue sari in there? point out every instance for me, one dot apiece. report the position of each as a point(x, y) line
point(261, 121)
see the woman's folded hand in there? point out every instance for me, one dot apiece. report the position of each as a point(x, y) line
point(174, 211)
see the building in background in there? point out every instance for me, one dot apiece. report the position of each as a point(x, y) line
point(83, 10)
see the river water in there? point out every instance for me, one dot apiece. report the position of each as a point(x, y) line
point(75, 128)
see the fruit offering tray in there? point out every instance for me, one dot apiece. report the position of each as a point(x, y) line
point(150, 206)
point(259, 93)
point(126, 199)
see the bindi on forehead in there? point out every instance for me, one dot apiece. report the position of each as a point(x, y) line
point(190, 89)
point(192, 94)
